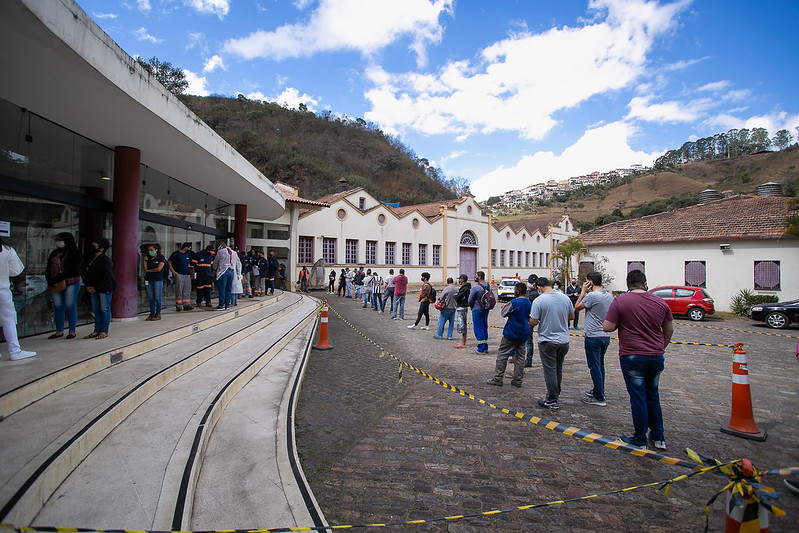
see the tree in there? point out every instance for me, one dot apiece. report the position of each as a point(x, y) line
point(782, 139)
point(172, 78)
point(758, 140)
point(570, 249)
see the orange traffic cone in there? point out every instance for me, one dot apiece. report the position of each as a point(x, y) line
point(744, 512)
point(742, 421)
point(323, 344)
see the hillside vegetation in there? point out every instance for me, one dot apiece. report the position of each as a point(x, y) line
point(313, 152)
point(675, 187)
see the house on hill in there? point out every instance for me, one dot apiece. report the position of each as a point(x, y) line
point(445, 238)
point(724, 245)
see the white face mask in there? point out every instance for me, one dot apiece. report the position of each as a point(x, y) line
point(59, 244)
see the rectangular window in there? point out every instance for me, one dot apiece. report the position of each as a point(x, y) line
point(695, 274)
point(351, 253)
point(527, 259)
point(502, 258)
point(390, 250)
point(436, 255)
point(547, 263)
point(493, 258)
point(519, 259)
point(636, 265)
point(371, 252)
point(767, 275)
point(406, 253)
point(305, 250)
point(511, 253)
point(255, 231)
point(329, 251)
point(422, 254)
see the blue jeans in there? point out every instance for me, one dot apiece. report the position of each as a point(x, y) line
point(398, 306)
point(154, 289)
point(225, 284)
point(376, 301)
point(642, 376)
point(367, 299)
point(389, 294)
point(101, 306)
point(445, 315)
point(349, 289)
point(65, 303)
point(530, 346)
point(480, 321)
point(595, 348)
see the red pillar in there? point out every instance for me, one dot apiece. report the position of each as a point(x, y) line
point(240, 227)
point(124, 245)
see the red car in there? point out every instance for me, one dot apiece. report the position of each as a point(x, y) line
point(694, 302)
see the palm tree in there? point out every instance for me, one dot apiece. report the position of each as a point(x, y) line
point(571, 248)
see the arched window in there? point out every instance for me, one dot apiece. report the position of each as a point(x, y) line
point(468, 239)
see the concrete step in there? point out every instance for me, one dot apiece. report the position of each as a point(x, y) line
point(48, 439)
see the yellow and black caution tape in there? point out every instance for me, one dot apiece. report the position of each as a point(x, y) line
point(571, 431)
point(663, 486)
point(739, 330)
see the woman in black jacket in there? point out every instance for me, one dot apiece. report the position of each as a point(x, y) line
point(98, 277)
point(63, 282)
point(461, 308)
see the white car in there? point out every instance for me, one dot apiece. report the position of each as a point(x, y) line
point(505, 289)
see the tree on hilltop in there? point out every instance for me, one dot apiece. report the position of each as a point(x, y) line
point(172, 78)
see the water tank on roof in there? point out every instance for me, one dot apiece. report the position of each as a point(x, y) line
point(770, 189)
point(708, 195)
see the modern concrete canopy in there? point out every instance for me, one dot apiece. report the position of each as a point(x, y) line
point(58, 63)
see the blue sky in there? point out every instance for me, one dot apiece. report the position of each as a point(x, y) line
point(503, 93)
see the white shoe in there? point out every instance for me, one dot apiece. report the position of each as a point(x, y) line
point(411, 327)
point(21, 355)
point(425, 327)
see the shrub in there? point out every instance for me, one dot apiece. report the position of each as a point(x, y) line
point(745, 299)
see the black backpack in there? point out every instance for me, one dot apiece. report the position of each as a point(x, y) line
point(487, 299)
point(432, 295)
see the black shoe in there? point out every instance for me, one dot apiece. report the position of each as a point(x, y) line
point(528, 365)
point(517, 384)
point(494, 382)
point(549, 404)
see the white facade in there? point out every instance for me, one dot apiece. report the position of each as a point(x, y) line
point(445, 240)
point(727, 271)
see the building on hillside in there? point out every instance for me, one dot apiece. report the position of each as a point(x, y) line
point(92, 144)
point(724, 245)
point(445, 239)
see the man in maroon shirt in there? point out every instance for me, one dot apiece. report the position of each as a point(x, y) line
point(645, 328)
point(398, 302)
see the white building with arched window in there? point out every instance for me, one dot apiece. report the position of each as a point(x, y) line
point(445, 239)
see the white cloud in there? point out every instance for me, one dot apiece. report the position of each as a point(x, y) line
point(290, 98)
point(715, 86)
point(773, 122)
point(142, 35)
point(197, 84)
point(195, 39)
point(220, 8)
point(519, 83)
point(601, 149)
point(104, 15)
point(365, 26)
point(143, 5)
point(213, 63)
point(453, 155)
point(641, 107)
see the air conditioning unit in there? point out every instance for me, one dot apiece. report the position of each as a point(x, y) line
point(724, 247)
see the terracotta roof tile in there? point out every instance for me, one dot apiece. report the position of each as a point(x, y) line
point(429, 210)
point(530, 224)
point(736, 217)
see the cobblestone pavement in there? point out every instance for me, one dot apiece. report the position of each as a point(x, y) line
point(377, 450)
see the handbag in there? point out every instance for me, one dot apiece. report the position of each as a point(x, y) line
point(439, 305)
point(58, 286)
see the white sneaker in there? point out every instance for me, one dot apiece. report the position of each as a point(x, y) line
point(21, 355)
point(411, 327)
point(425, 327)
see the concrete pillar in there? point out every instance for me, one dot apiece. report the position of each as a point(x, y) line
point(240, 226)
point(125, 243)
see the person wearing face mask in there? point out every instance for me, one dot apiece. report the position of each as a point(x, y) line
point(153, 263)
point(98, 277)
point(179, 263)
point(424, 303)
point(63, 283)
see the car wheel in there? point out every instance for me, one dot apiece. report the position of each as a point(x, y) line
point(696, 314)
point(777, 320)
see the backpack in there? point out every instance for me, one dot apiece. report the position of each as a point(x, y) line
point(487, 299)
point(432, 295)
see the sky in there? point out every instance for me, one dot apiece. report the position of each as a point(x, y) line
point(501, 93)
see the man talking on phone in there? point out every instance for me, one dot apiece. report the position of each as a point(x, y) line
point(596, 301)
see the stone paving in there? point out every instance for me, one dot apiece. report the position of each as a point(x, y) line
point(377, 450)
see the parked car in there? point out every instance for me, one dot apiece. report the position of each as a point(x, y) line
point(777, 316)
point(505, 289)
point(694, 302)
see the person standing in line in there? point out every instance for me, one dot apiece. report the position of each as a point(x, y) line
point(532, 294)
point(596, 301)
point(179, 263)
point(389, 294)
point(377, 290)
point(236, 286)
point(645, 327)
point(272, 266)
point(205, 277)
point(447, 313)
point(246, 268)
point(63, 266)
point(281, 277)
point(398, 302)
point(358, 283)
point(479, 314)
point(10, 266)
point(98, 278)
point(342, 284)
point(462, 307)
point(153, 266)
point(551, 312)
point(349, 276)
point(304, 279)
point(260, 277)
point(573, 291)
point(224, 268)
point(331, 282)
point(252, 274)
point(424, 303)
point(368, 288)
point(514, 337)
